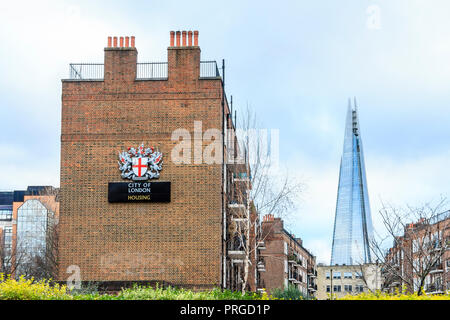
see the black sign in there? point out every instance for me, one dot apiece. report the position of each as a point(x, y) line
point(139, 191)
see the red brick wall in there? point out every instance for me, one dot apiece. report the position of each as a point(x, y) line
point(178, 242)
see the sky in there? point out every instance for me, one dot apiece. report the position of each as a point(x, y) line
point(295, 63)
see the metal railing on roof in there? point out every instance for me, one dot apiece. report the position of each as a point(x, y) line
point(144, 71)
point(86, 71)
point(209, 69)
point(152, 70)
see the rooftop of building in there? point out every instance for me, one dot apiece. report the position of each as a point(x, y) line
point(8, 197)
point(145, 70)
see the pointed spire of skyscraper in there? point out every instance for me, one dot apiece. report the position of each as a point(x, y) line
point(353, 223)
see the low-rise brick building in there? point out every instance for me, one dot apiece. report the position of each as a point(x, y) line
point(422, 251)
point(284, 261)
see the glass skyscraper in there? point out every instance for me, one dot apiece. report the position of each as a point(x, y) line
point(352, 233)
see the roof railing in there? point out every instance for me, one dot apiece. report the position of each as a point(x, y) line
point(144, 71)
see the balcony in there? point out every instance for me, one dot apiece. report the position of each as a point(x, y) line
point(144, 71)
point(292, 259)
point(261, 266)
point(312, 287)
point(236, 205)
point(261, 245)
point(236, 248)
point(236, 254)
point(434, 288)
point(437, 268)
point(241, 177)
point(312, 273)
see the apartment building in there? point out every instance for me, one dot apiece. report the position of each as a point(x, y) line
point(284, 261)
point(420, 258)
point(171, 208)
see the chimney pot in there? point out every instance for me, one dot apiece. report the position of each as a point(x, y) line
point(178, 38)
point(184, 38)
point(172, 38)
point(115, 41)
point(127, 42)
point(132, 41)
point(195, 38)
point(190, 38)
point(121, 42)
point(109, 41)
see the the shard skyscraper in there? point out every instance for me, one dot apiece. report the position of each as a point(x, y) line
point(353, 223)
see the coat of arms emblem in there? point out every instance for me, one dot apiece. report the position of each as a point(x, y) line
point(141, 163)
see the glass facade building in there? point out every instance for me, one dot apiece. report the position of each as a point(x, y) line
point(353, 222)
point(34, 221)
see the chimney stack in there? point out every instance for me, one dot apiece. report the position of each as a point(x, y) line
point(183, 58)
point(120, 60)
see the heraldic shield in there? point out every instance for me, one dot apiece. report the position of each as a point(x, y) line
point(140, 166)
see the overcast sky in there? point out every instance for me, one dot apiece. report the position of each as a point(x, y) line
point(295, 62)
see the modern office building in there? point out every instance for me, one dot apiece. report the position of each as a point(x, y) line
point(146, 192)
point(6, 213)
point(353, 223)
point(28, 219)
point(283, 261)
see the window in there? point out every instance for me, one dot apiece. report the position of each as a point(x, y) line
point(285, 248)
point(358, 275)
point(328, 288)
point(6, 214)
point(336, 275)
point(359, 288)
point(336, 288)
point(347, 275)
point(348, 288)
point(327, 275)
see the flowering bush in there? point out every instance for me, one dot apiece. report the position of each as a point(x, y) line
point(23, 289)
point(397, 296)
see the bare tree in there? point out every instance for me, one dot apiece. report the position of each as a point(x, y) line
point(257, 187)
point(420, 237)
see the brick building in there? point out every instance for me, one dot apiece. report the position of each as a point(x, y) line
point(422, 250)
point(176, 106)
point(284, 261)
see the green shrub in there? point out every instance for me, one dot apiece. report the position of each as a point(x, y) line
point(289, 293)
point(171, 293)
